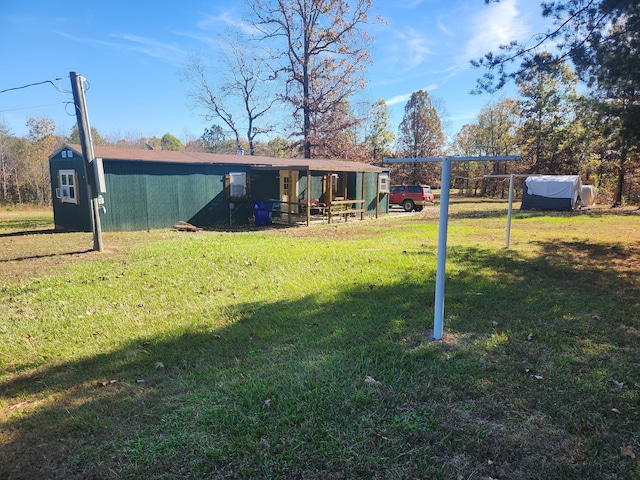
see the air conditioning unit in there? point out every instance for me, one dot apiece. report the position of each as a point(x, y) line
point(238, 185)
point(384, 184)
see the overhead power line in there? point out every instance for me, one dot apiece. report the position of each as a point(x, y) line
point(37, 83)
point(29, 108)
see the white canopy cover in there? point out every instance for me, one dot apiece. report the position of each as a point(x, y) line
point(555, 186)
point(588, 196)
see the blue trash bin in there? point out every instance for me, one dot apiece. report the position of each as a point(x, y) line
point(262, 212)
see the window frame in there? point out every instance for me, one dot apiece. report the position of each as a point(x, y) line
point(67, 190)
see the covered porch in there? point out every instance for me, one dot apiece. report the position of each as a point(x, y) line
point(326, 191)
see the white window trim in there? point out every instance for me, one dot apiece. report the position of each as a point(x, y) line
point(63, 191)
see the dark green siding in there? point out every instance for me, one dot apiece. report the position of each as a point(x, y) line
point(70, 217)
point(316, 185)
point(265, 185)
point(354, 187)
point(152, 195)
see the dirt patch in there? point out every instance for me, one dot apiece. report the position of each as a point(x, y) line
point(27, 255)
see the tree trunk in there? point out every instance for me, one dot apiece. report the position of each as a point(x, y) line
point(617, 201)
point(18, 187)
point(5, 181)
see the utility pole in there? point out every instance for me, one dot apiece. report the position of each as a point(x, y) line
point(84, 131)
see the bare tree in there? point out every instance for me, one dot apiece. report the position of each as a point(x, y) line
point(320, 50)
point(240, 96)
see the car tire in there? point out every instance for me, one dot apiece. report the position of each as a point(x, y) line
point(408, 205)
point(418, 208)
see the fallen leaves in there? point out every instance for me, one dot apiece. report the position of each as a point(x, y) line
point(372, 382)
point(379, 435)
point(627, 451)
point(616, 383)
point(533, 375)
point(106, 383)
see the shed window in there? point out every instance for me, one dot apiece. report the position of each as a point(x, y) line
point(67, 190)
point(286, 186)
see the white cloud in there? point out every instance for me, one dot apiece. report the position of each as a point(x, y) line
point(398, 99)
point(135, 43)
point(443, 28)
point(412, 48)
point(150, 47)
point(208, 40)
point(495, 25)
point(406, 96)
point(226, 18)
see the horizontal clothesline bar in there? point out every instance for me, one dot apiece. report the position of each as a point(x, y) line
point(498, 158)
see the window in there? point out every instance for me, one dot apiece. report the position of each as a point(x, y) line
point(286, 186)
point(400, 190)
point(67, 186)
point(414, 189)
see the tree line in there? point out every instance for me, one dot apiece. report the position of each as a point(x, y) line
point(289, 88)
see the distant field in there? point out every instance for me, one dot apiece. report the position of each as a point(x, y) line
point(307, 353)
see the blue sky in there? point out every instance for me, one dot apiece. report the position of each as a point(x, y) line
point(131, 53)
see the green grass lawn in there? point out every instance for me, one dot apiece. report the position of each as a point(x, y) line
point(247, 354)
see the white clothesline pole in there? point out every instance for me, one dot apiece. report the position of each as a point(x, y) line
point(445, 185)
point(438, 308)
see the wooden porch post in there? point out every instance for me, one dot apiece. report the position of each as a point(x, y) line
point(308, 197)
point(289, 206)
point(364, 174)
point(377, 194)
point(344, 186)
point(329, 179)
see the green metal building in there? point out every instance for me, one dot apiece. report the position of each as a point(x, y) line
point(150, 189)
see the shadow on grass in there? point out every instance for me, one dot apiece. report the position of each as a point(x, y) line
point(47, 255)
point(46, 231)
point(280, 391)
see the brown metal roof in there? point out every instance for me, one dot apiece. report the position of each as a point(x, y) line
point(258, 162)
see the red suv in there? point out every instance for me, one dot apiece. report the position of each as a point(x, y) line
point(411, 197)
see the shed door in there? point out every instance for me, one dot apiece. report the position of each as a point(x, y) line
point(289, 190)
